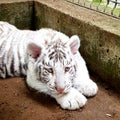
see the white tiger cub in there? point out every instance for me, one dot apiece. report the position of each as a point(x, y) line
point(51, 62)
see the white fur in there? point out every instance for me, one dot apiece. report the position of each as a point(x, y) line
point(69, 88)
point(73, 97)
point(72, 100)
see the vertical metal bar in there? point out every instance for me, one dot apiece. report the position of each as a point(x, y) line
point(109, 8)
point(84, 2)
point(115, 4)
point(97, 8)
point(91, 4)
point(106, 6)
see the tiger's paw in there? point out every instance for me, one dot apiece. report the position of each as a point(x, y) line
point(72, 100)
point(88, 88)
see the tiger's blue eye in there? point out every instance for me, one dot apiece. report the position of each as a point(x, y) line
point(67, 69)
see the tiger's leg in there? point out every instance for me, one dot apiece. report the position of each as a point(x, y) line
point(82, 82)
point(72, 100)
point(86, 87)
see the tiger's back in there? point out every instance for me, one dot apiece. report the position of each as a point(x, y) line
point(12, 51)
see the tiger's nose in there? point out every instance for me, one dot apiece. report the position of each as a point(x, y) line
point(59, 90)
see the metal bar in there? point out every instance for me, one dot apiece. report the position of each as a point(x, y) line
point(97, 8)
point(112, 11)
point(108, 7)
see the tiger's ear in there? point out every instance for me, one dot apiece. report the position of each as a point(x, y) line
point(34, 50)
point(74, 44)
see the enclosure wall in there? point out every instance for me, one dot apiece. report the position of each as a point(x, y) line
point(17, 12)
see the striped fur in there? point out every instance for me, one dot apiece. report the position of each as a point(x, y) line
point(10, 57)
point(50, 61)
point(13, 49)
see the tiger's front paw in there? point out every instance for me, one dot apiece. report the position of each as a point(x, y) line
point(72, 100)
point(88, 89)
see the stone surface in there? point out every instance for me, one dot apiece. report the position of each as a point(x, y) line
point(17, 13)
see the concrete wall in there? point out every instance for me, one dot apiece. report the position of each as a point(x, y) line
point(100, 34)
point(17, 12)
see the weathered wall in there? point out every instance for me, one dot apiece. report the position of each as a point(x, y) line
point(17, 12)
point(100, 34)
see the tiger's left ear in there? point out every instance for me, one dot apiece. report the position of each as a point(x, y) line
point(74, 44)
point(34, 50)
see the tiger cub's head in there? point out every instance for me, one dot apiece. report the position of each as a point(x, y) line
point(55, 66)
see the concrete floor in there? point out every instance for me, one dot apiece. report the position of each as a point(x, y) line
point(18, 103)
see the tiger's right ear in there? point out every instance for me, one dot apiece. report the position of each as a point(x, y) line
point(34, 50)
point(74, 44)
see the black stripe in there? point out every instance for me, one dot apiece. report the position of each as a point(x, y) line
point(12, 64)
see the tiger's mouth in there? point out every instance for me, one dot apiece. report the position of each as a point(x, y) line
point(60, 92)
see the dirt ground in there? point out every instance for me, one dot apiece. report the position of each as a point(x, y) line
point(17, 102)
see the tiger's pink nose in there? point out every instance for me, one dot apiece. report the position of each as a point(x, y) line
point(60, 90)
